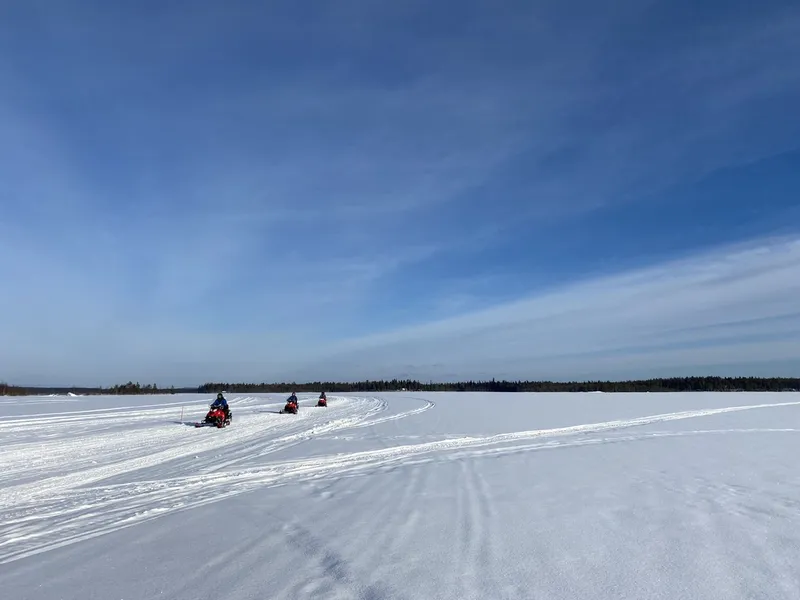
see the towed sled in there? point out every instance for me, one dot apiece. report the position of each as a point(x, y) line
point(215, 418)
point(291, 407)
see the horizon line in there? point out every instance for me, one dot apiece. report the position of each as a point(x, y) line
point(15, 386)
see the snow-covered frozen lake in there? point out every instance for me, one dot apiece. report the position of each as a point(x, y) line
point(402, 495)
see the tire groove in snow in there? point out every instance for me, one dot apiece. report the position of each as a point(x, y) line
point(488, 517)
point(475, 560)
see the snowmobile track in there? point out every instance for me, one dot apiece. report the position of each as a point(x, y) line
point(150, 474)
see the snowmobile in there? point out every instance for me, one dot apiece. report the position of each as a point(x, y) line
point(323, 401)
point(291, 407)
point(216, 417)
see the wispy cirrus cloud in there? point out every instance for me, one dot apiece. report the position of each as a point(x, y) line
point(265, 179)
point(733, 307)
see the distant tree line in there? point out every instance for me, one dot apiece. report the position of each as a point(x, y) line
point(131, 388)
point(672, 384)
point(125, 389)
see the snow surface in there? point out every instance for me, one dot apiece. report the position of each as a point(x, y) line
point(402, 495)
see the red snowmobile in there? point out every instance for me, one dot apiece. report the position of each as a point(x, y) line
point(291, 407)
point(216, 417)
point(323, 400)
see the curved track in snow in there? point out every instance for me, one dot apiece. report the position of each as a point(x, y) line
point(77, 474)
point(80, 474)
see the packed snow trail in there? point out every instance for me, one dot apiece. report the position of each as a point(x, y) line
point(48, 497)
point(430, 516)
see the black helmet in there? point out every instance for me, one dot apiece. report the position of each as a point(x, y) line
point(219, 396)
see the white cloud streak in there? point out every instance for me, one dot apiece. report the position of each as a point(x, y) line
point(731, 307)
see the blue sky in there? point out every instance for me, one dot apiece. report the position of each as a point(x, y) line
point(276, 191)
